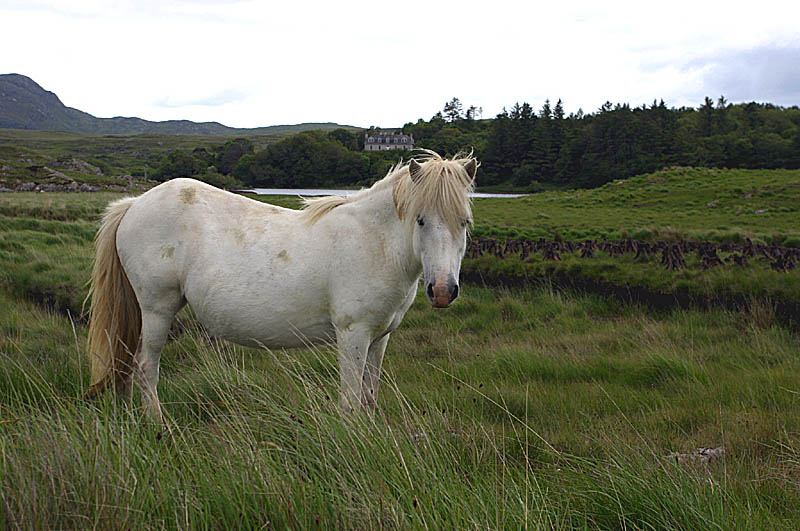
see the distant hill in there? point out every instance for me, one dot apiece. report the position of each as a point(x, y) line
point(26, 105)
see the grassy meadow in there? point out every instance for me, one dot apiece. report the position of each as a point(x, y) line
point(680, 202)
point(526, 407)
point(699, 204)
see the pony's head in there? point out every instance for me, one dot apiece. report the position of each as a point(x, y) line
point(434, 198)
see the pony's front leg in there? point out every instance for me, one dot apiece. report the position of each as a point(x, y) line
point(353, 342)
point(372, 374)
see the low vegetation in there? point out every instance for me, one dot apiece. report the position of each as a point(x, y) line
point(25, 154)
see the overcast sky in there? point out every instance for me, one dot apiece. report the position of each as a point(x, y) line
point(388, 62)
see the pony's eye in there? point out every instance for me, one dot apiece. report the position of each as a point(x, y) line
point(420, 221)
point(464, 222)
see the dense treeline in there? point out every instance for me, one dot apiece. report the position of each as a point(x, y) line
point(525, 148)
point(307, 159)
point(521, 147)
point(213, 166)
point(314, 159)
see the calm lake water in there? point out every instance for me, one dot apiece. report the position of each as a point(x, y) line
point(309, 192)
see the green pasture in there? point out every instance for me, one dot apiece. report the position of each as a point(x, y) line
point(678, 203)
point(696, 203)
point(532, 406)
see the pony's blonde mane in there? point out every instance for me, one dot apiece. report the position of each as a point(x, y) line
point(441, 185)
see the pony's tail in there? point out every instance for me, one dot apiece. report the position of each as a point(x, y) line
point(115, 317)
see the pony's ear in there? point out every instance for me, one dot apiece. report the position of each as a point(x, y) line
point(414, 170)
point(471, 166)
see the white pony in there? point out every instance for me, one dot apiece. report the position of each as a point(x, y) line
point(343, 269)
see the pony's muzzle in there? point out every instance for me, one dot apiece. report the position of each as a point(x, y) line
point(442, 294)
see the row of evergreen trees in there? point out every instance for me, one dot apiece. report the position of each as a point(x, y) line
point(524, 148)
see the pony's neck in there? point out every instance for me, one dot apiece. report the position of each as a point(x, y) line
point(378, 209)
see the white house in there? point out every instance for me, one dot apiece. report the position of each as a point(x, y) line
point(375, 140)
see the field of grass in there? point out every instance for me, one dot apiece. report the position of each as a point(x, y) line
point(526, 407)
point(514, 408)
point(679, 203)
point(695, 203)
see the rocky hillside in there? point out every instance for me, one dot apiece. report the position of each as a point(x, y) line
point(26, 105)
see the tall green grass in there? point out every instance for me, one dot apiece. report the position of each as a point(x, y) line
point(549, 411)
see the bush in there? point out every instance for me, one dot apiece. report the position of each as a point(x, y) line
point(177, 163)
point(215, 178)
point(230, 153)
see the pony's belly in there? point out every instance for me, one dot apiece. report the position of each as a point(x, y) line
point(272, 312)
point(288, 337)
point(281, 331)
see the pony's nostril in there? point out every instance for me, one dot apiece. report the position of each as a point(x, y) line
point(454, 294)
point(429, 290)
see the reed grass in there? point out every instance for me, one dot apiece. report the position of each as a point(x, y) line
point(558, 412)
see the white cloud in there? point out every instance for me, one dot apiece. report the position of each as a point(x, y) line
point(213, 100)
point(766, 74)
point(249, 63)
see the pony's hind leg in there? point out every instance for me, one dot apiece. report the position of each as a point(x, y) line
point(155, 329)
